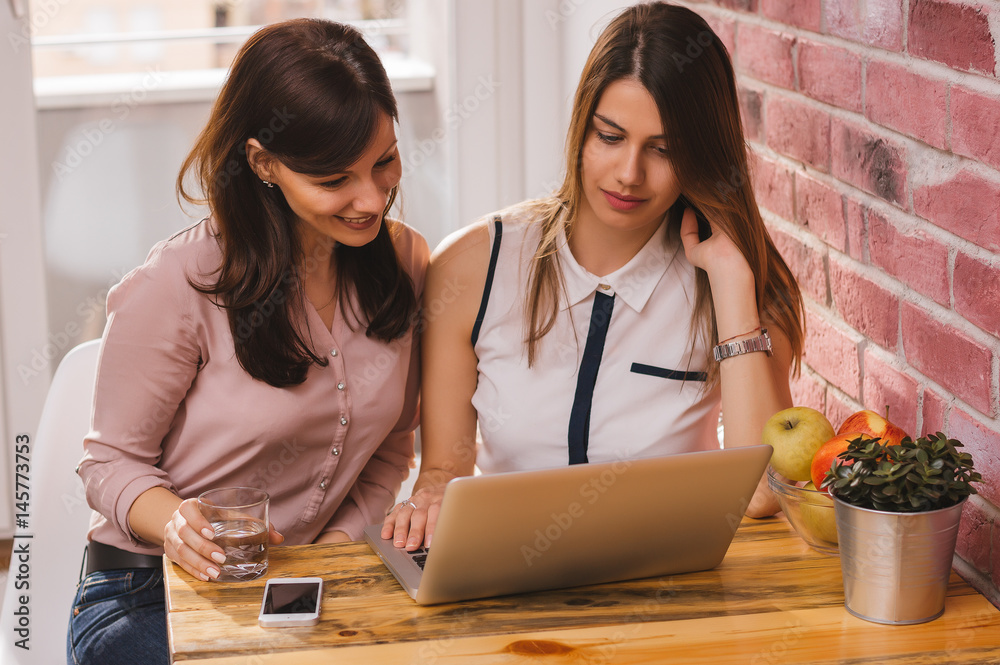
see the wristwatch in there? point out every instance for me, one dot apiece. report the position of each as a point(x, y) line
point(760, 343)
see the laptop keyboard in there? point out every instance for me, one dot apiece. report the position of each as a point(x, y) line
point(419, 556)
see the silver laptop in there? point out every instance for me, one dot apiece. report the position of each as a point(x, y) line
point(507, 533)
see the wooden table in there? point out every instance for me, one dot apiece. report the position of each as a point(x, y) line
point(772, 600)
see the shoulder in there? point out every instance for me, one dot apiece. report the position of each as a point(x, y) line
point(193, 250)
point(469, 244)
point(474, 243)
point(191, 254)
point(411, 248)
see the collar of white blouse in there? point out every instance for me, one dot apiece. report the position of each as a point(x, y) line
point(633, 283)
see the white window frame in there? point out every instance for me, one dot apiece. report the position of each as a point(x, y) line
point(154, 85)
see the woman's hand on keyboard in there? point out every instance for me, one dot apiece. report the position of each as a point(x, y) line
point(412, 521)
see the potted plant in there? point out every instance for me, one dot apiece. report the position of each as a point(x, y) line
point(898, 508)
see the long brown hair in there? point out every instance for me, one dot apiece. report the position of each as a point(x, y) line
point(311, 92)
point(686, 69)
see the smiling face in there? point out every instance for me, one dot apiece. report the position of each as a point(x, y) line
point(344, 207)
point(628, 181)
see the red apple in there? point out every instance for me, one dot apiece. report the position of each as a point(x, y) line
point(824, 457)
point(870, 423)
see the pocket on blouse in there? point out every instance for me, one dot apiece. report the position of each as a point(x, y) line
point(664, 373)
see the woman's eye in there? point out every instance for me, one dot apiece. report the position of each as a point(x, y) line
point(607, 138)
point(334, 184)
point(385, 162)
point(662, 150)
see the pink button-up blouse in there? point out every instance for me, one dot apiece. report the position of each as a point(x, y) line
point(173, 407)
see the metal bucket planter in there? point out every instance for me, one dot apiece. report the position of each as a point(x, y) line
point(896, 565)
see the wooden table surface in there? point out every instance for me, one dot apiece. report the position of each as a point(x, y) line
point(772, 600)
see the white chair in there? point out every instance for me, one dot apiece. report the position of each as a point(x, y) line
point(58, 519)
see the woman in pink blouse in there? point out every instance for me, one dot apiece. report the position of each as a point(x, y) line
point(271, 345)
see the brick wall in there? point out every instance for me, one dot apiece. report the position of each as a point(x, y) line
point(876, 129)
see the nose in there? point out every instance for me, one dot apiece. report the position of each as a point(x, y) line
point(630, 171)
point(369, 198)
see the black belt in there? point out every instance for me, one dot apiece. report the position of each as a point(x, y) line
point(105, 557)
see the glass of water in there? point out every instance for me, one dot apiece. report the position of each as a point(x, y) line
point(239, 518)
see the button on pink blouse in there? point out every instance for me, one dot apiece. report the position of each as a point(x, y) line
point(173, 407)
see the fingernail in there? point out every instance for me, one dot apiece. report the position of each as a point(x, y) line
point(219, 556)
point(208, 533)
point(398, 543)
point(213, 573)
point(203, 576)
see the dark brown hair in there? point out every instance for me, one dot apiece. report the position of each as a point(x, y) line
point(312, 93)
point(686, 69)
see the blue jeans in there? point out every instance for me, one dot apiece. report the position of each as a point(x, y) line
point(119, 617)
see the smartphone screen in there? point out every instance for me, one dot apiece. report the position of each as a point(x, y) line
point(291, 598)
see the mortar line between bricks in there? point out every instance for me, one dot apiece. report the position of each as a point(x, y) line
point(880, 206)
point(860, 120)
point(950, 398)
point(835, 320)
point(996, 382)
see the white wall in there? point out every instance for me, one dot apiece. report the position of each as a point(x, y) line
point(510, 147)
point(22, 280)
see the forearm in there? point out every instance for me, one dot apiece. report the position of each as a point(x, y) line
point(754, 385)
point(151, 512)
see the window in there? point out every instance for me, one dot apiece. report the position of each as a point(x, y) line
point(107, 37)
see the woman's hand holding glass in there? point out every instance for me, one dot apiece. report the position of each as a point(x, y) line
point(188, 541)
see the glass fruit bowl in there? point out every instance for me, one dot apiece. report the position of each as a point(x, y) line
point(809, 511)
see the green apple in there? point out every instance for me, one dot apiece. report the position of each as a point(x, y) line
point(818, 517)
point(796, 434)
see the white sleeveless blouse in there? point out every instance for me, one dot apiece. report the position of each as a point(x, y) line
point(648, 397)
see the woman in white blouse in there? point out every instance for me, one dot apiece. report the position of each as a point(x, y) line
point(612, 320)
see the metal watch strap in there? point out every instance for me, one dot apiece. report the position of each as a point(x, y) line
point(760, 343)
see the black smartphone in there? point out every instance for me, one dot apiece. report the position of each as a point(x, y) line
point(704, 228)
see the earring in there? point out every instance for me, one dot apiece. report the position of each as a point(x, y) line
point(269, 184)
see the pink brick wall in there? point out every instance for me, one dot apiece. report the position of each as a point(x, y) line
point(876, 131)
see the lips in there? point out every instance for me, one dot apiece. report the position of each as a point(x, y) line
point(362, 225)
point(622, 202)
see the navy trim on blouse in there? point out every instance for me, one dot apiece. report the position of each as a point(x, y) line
point(579, 416)
point(489, 279)
point(663, 373)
